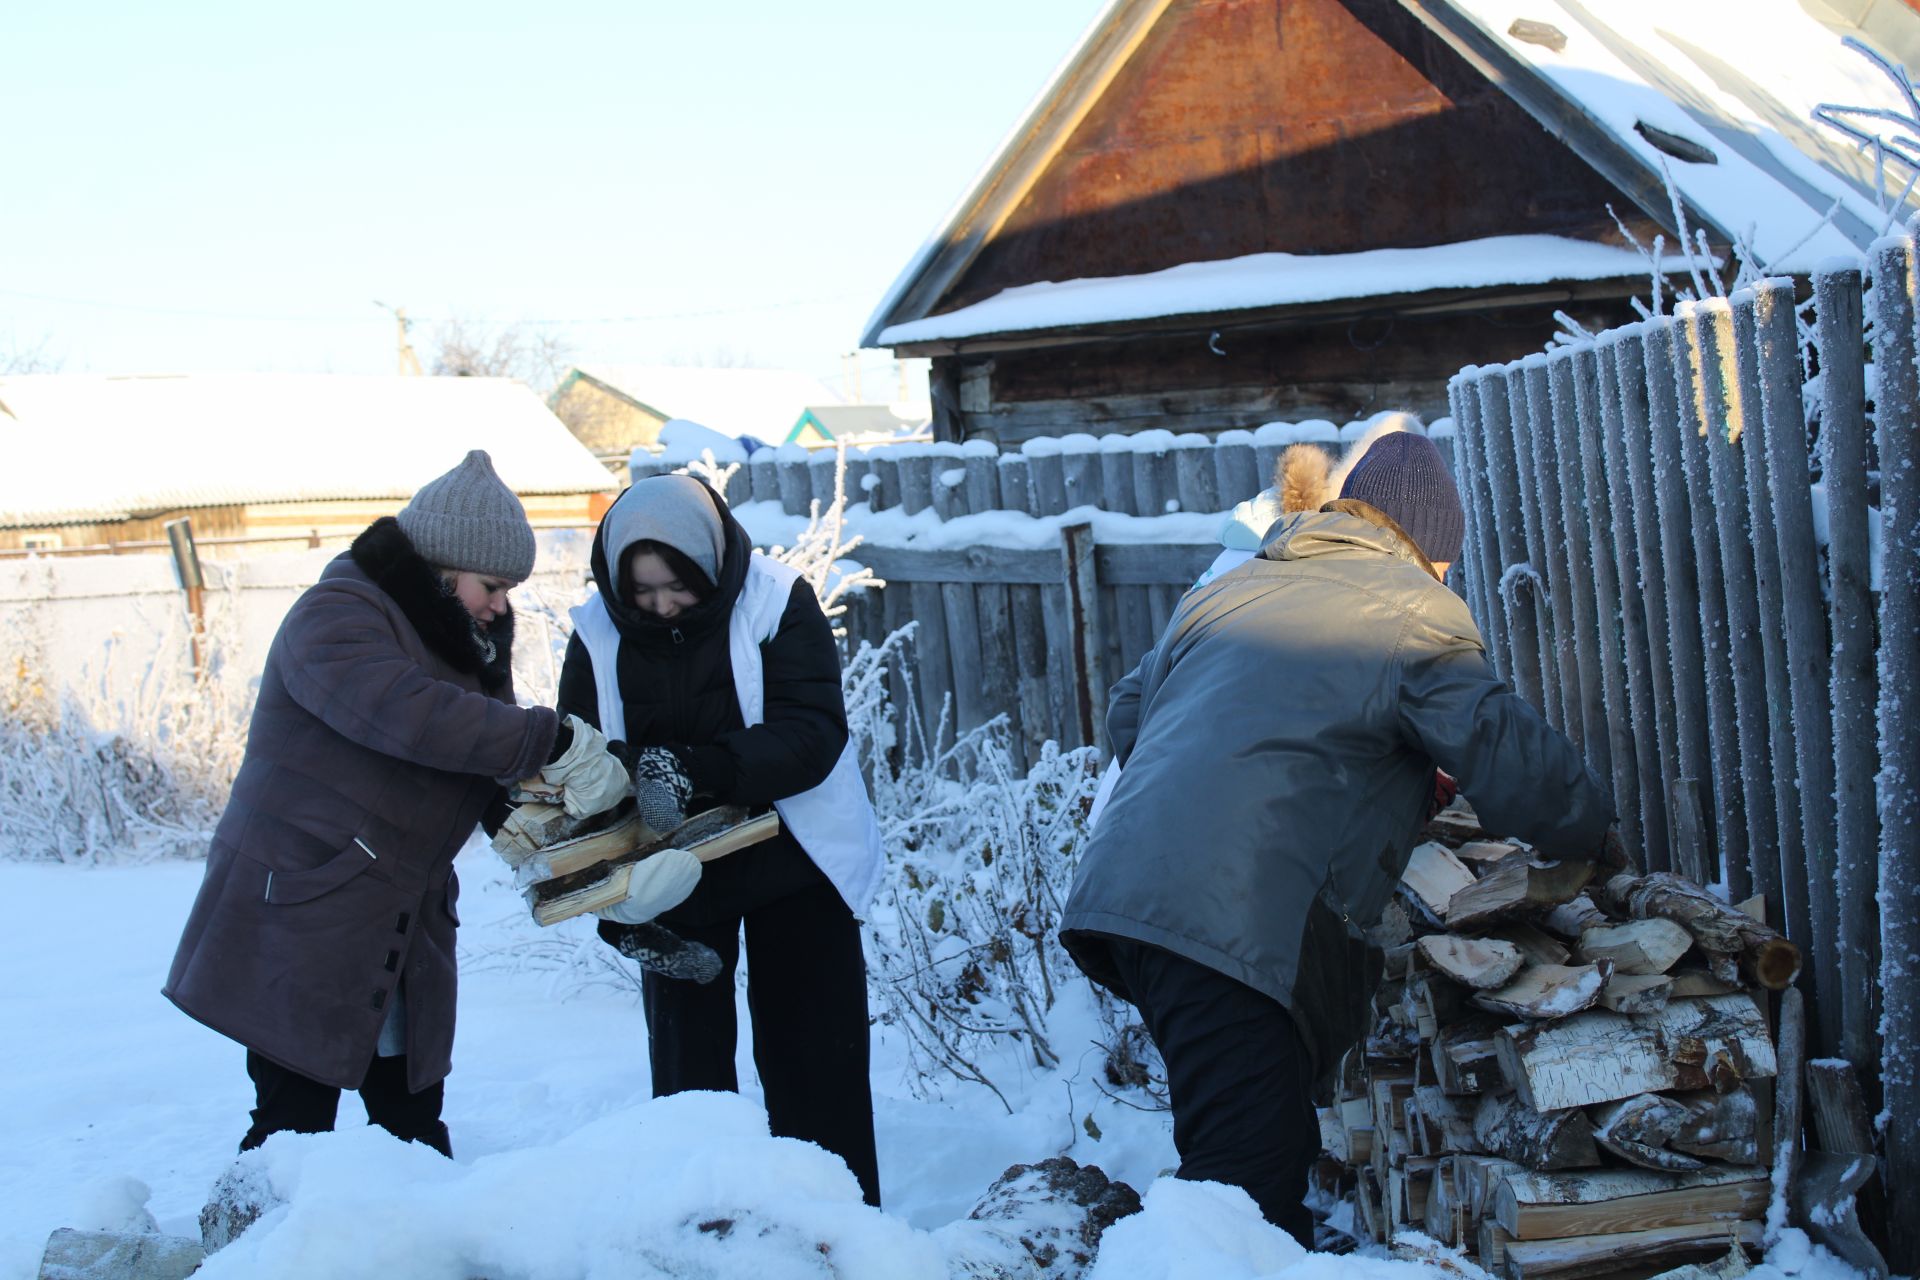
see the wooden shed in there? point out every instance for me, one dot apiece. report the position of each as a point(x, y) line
point(1224, 212)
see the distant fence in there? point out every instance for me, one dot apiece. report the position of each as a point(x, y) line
point(1034, 634)
point(1146, 473)
point(1653, 566)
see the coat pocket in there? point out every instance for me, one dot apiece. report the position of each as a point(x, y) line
point(285, 888)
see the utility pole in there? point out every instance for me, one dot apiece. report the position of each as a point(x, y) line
point(408, 361)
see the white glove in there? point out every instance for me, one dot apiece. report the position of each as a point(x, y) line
point(590, 777)
point(656, 884)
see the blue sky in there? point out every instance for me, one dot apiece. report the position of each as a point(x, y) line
point(209, 187)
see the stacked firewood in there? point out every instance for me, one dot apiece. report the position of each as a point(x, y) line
point(1570, 1073)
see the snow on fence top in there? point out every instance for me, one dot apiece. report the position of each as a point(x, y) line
point(1150, 474)
point(84, 448)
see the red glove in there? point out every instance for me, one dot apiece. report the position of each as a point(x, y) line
point(1444, 790)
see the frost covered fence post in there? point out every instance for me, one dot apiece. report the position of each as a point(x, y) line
point(763, 475)
point(1897, 408)
point(1519, 593)
point(1080, 469)
point(1116, 475)
point(1563, 420)
point(1048, 476)
point(884, 493)
point(1780, 838)
point(1591, 429)
point(1528, 395)
point(1687, 801)
point(1153, 479)
point(1483, 548)
point(1723, 735)
point(1739, 510)
point(916, 479)
point(1016, 483)
point(796, 483)
point(1195, 482)
point(1642, 631)
point(1086, 646)
point(1808, 659)
point(1234, 471)
point(1854, 687)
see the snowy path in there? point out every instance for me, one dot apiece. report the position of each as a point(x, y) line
point(103, 1079)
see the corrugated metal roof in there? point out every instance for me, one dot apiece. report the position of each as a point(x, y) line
point(763, 403)
point(81, 448)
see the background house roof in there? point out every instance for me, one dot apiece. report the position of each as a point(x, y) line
point(763, 403)
point(84, 448)
point(1736, 77)
point(860, 421)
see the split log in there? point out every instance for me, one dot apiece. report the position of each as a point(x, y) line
point(1539, 1206)
point(1433, 876)
point(1575, 1257)
point(1509, 1128)
point(624, 833)
point(1515, 886)
point(537, 825)
point(1730, 1267)
point(1768, 958)
point(1449, 1120)
point(1571, 919)
point(1547, 991)
point(1366, 1203)
point(1466, 1058)
point(707, 836)
point(1688, 983)
point(1481, 963)
point(1637, 1130)
point(1455, 824)
point(1599, 1056)
point(1491, 1241)
point(1720, 1126)
point(1536, 946)
point(1637, 947)
point(1478, 1177)
point(1636, 993)
point(1485, 850)
point(1825, 1200)
point(1443, 1206)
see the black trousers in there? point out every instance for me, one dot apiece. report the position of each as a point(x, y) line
point(807, 995)
point(1240, 1080)
point(286, 1101)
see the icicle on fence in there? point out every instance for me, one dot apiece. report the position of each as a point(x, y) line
point(1645, 556)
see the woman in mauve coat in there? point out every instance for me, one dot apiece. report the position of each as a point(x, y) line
point(323, 936)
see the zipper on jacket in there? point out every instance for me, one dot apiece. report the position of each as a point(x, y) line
point(677, 637)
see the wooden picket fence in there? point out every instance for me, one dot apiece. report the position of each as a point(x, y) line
point(1644, 557)
point(1034, 634)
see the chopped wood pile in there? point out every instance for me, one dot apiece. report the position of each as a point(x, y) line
point(1570, 1072)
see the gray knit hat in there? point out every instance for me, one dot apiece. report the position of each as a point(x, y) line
point(468, 519)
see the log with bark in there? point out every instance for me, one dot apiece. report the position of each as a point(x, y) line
point(1763, 954)
point(1516, 886)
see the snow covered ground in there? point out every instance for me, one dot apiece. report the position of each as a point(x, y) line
point(105, 1081)
point(566, 1167)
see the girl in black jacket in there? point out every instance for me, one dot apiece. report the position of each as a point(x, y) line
point(720, 673)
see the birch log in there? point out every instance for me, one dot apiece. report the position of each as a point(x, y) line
point(1514, 1131)
point(1599, 1056)
point(1768, 958)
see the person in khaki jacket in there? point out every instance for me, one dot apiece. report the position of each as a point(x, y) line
point(1279, 749)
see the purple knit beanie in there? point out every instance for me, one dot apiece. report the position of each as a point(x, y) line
point(1402, 475)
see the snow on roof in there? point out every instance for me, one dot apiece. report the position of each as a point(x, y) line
point(82, 448)
point(1739, 78)
point(1278, 279)
point(763, 403)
